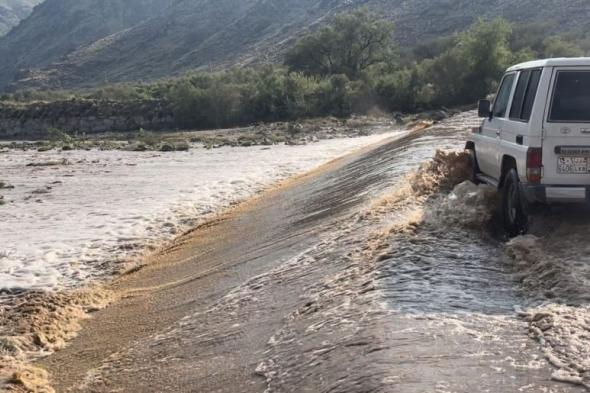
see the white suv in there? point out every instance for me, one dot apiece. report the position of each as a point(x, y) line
point(534, 144)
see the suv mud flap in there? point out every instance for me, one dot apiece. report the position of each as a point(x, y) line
point(532, 194)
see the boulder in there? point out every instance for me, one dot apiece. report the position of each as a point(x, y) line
point(136, 146)
point(167, 147)
point(182, 146)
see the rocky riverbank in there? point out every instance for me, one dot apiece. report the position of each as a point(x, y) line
point(153, 125)
point(299, 133)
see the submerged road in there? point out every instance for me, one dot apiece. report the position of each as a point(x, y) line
point(311, 288)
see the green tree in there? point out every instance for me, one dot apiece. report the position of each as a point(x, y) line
point(470, 69)
point(530, 36)
point(351, 44)
point(484, 48)
point(397, 90)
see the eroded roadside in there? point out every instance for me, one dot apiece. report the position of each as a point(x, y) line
point(367, 276)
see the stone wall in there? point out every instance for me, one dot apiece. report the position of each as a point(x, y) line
point(82, 116)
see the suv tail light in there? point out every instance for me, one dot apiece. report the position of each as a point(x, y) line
point(534, 165)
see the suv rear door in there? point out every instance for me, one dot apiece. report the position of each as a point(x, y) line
point(566, 139)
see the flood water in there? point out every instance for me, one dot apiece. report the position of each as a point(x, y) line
point(378, 274)
point(429, 307)
point(73, 218)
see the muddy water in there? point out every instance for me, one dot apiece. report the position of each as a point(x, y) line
point(433, 312)
point(552, 264)
point(363, 278)
point(90, 214)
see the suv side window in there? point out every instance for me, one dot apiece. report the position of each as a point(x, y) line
point(524, 97)
point(503, 97)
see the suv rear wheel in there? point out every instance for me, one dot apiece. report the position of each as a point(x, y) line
point(513, 212)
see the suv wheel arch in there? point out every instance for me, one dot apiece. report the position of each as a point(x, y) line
point(508, 163)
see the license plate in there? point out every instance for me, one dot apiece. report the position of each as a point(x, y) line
point(573, 165)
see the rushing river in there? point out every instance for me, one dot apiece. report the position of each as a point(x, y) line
point(75, 217)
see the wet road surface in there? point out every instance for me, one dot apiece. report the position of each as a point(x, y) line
point(319, 287)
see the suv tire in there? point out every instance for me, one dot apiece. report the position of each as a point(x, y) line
point(514, 214)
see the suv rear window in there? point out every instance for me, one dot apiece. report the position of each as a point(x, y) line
point(571, 97)
point(524, 97)
point(531, 93)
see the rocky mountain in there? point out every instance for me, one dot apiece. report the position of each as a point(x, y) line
point(59, 27)
point(77, 43)
point(13, 11)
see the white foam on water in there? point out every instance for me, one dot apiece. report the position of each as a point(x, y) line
point(65, 225)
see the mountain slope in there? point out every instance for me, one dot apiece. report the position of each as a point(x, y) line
point(194, 33)
point(13, 11)
point(197, 33)
point(58, 27)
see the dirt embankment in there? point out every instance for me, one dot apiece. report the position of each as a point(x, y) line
point(83, 117)
point(140, 134)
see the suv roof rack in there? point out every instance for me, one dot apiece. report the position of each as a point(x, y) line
point(556, 62)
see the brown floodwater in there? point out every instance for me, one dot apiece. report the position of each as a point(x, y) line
point(369, 275)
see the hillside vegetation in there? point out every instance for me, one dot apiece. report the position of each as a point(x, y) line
point(351, 65)
point(71, 44)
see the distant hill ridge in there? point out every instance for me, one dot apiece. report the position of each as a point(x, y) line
point(80, 43)
point(13, 11)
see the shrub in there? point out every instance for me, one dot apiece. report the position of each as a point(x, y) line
point(559, 47)
point(57, 135)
